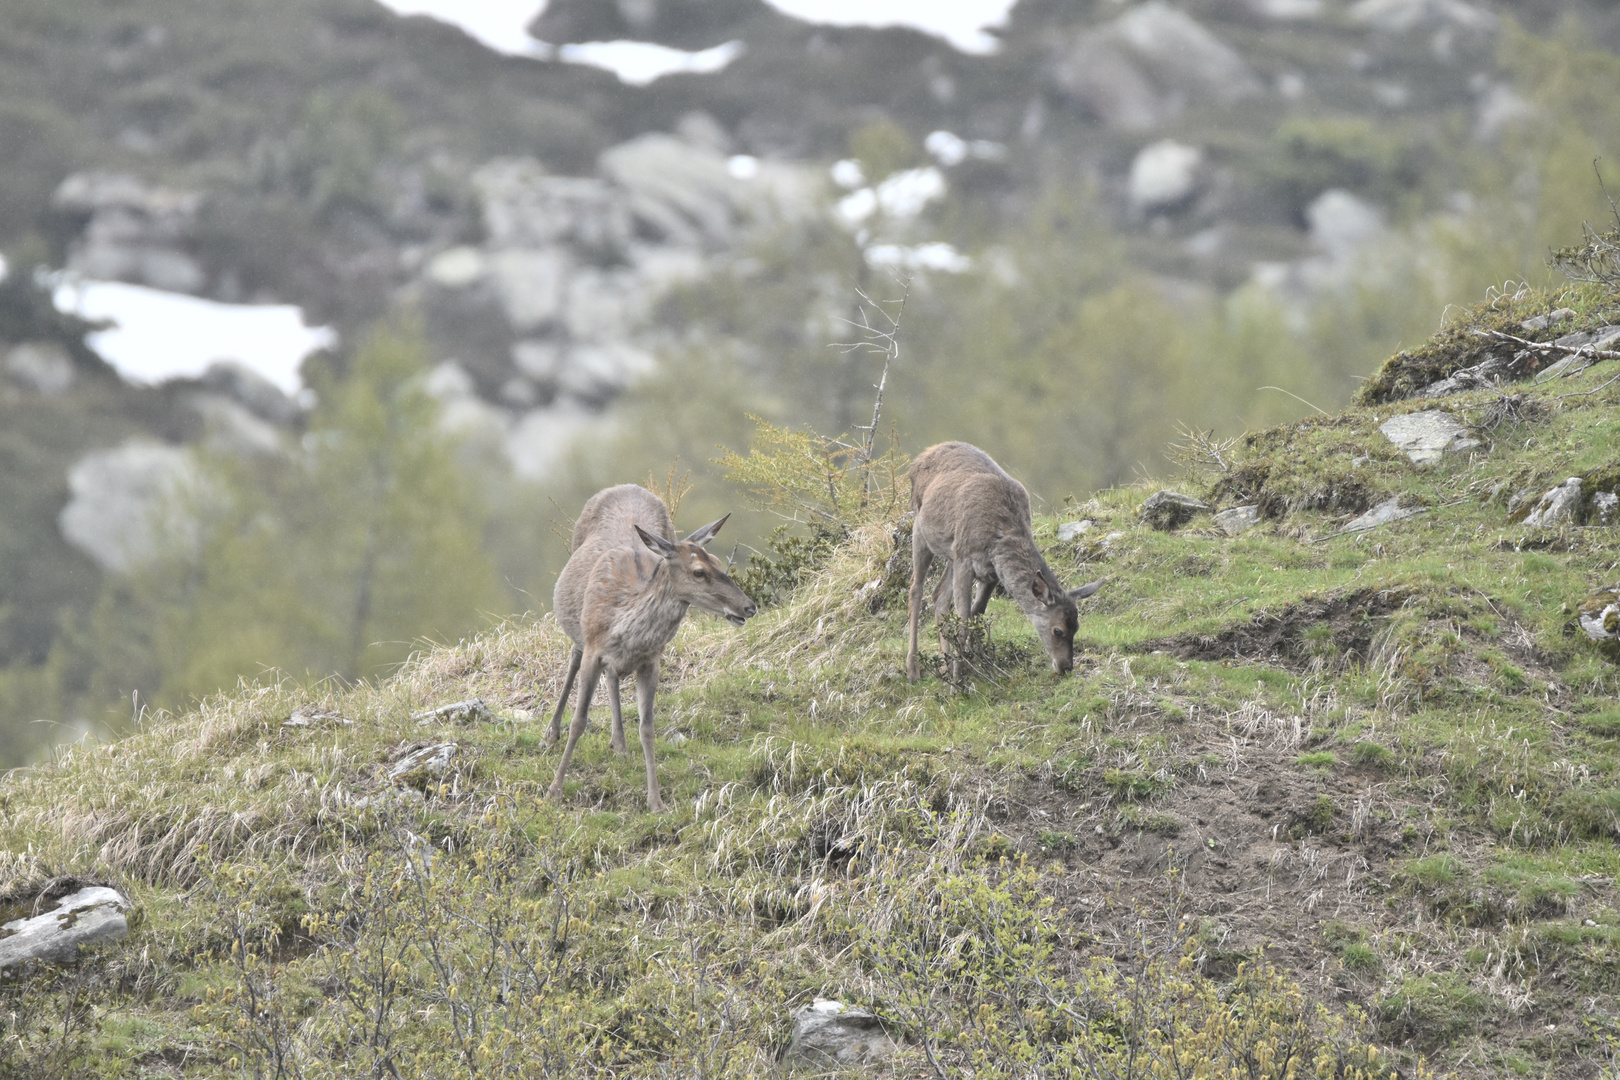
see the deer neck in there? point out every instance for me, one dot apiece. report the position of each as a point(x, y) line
point(1017, 563)
point(649, 622)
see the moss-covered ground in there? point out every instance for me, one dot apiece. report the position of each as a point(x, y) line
point(1348, 801)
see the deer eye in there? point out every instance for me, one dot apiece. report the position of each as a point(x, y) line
point(700, 573)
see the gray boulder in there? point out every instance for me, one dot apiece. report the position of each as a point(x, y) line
point(1383, 514)
point(1238, 519)
point(1148, 65)
point(1426, 436)
point(126, 503)
point(132, 232)
point(87, 916)
point(526, 207)
point(1164, 175)
point(830, 1033)
point(42, 366)
point(423, 764)
point(1073, 530)
point(1166, 510)
point(683, 191)
point(1557, 507)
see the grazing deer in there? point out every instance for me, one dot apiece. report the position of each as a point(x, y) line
point(968, 512)
point(620, 598)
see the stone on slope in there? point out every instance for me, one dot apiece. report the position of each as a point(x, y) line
point(1557, 507)
point(1166, 510)
point(832, 1033)
point(87, 916)
point(1382, 514)
point(1425, 436)
point(1238, 519)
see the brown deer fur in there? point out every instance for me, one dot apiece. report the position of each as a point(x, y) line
point(620, 598)
point(969, 513)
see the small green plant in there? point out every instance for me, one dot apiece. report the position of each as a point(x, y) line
point(1371, 755)
point(1318, 759)
point(1315, 820)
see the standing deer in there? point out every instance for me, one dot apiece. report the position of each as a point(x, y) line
point(620, 598)
point(970, 513)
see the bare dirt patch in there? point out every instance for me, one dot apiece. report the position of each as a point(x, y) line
point(1351, 622)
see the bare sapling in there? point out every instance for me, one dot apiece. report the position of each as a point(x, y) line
point(620, 599)
point(975, 518)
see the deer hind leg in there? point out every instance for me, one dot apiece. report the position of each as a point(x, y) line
point(921, 560)
point(987, 589)
point(574, 656)
point(582, 710)
point(618, 717)
point(646, 687)
point(962, 601)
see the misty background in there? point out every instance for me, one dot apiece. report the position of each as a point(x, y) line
point(320, 318)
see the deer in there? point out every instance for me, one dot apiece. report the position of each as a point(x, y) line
point(970, 514)
point(620, 598)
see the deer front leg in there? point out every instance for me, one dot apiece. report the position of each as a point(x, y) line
point(574, 656)
point(618, 717)
point(592, 666)
point(921, 560)
point(646, 687)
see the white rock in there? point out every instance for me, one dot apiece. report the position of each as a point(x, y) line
point(1073, 530)
point(126, 503)
point(1425, 436)
point(429, 761)
point(541, 440)
point(1237, 519)
point(1556, 507)
point(531, 284)
point(1382, 514)
point(682, 190)
point(1605, 508)
point(832, 1033)
point(1341, 224)
point(1164, 174)
point(1150, 64)
point(42, 366)
point(1287, 9)
point(457, 267)
point(87, 917)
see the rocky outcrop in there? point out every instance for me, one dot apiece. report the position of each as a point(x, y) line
point(1426, 436)
point(830, 1033)
point(574, 266)
point(1167, 510)
point(1164, 175)
point(118, 512)
point(131, 232)
point(1147, 66)
point(1560, 506)
point(88, 915)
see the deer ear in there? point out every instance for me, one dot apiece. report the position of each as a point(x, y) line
point(1087, 589)
point(655, 542)
point(705, 534)
point(1038, 586)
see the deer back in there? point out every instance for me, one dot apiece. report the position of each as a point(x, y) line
point(608, 521)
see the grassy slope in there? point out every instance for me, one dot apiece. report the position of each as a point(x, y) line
point(1380, 762)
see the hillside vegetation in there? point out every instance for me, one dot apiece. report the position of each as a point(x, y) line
point(1311, 804)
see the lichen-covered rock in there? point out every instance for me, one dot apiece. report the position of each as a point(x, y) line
point(86, 916)
point(1557, 507)
point(423, 764)
point(1237, 519)
point(1382, 514)
point(1166, 510)
point(1426, 436)
point(832, 1033)
point(1599, 619)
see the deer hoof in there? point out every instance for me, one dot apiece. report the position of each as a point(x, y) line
point(656, 806)
point(555, 793)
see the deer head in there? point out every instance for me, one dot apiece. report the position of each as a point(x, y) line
point(697, 578)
